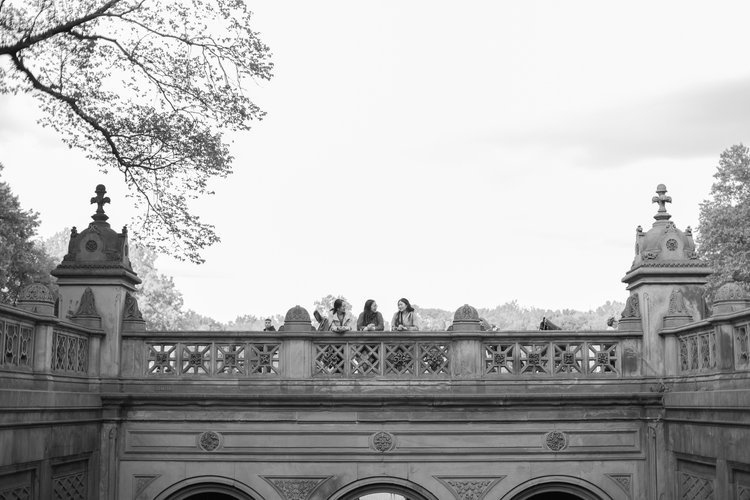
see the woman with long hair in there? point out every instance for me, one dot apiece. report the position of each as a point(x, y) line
point(340, 318)
point(370, 319)
point(405, 318)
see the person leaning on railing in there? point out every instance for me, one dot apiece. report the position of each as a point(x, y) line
point(406, 317)
point(370, 319)
point(340, 318)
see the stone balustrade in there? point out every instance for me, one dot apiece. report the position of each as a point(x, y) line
point(410, 355)
point(720, 343)
point(40, 343)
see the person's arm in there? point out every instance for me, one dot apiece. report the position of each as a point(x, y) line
point(380, 324)
point(414, 321)
point(394, 327)
point(360, 322)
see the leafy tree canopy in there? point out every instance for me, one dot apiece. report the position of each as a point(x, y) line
point(22, 261)
point(724, 230)
point(144, 87)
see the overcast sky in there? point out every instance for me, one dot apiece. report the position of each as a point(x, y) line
point(447, 152)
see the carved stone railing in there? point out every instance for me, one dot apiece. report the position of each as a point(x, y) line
point(36, 343)
point(718, 344)
point(382, 355)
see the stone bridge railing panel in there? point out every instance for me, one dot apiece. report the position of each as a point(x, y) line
point(428, 355)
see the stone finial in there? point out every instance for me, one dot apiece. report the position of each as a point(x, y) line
point(100, 201)
point(662, 200)
point(37, 298)
point(297, 319)
point(677, 312)
point(466, 318)
point(730, 297)
point(86, 314)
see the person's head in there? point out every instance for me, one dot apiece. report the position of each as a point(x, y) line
point(268, 322)
point(371, 306)
point(338, 306)
point(404, 305)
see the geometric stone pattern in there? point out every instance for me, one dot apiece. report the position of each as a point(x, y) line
point(693, 487)
point(743, 492)
point(574, 357)
point(624, 481)
point(70, 486)
point(70, 352)
point(142, 482)
point(381, 358)
point(741, 348)
point(697, 351)
point(469, 488)
point(212, 358)
point(17, 493)
point(295, 488)
point(16, 342)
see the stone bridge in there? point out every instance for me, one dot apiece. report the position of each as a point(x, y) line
point(93, 406)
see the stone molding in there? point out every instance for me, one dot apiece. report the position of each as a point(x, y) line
point(624, 481)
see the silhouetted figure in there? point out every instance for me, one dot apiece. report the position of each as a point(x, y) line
point(548, 325)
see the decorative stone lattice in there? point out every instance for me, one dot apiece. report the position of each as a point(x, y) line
point(741, 348)
point(17, 493)
point(69, 487)
point(697, 351)
point(624, 481)
point(209, 441)
point(296, 488)
point(692, 487)
point(743, 492)
point(364, 359)
point(70, 352)
point(376, 359)
point(382, 441)
point(17, 345)
point(519, 358)
point(209, 358)
point(469, 488)
point(37, 292)
point(399, 359)
point(556, 440)
point(434, 359)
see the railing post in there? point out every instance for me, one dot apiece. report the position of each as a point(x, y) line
point(466, 357)
point(43, 333)
point(296, 357)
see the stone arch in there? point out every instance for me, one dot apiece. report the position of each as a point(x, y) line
point(193, 486)
point(574, 486)
point(379, 484)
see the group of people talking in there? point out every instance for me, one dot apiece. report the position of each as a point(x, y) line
point(340, 319)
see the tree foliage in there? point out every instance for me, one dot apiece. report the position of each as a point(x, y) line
point(144, 87)
point(22, 260)
point(724, 230)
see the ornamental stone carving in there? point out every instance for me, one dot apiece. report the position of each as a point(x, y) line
point(37, 298)
point(556, 440)
point(632, 307)
point(132, 312)
point(466, 318)
point(624, 481)
point(466, 313)
point(87, 305)
point(677, 303)
point(295, 488)
point(469, 488)
point(730, 297)
point(297, 313)
point(382, 441)
point(209, 441)
point(297, 319)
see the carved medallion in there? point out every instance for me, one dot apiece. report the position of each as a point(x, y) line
point(382, 441)
point(671, 244)
point(91, 245)
point(556, 440)
point(209, 441)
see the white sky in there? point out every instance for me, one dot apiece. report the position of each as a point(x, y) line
point(448, 152)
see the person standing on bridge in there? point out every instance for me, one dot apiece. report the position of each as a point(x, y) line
point(370, 319)
point(341, 319)
point(406, 318)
